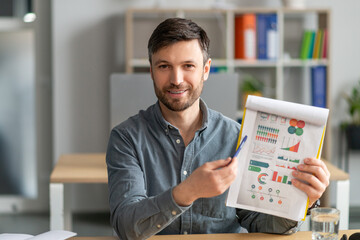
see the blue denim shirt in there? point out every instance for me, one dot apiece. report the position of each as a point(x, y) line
point(146, 158)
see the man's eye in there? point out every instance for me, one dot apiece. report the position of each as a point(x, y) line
point(163, 66)
point(189, 66)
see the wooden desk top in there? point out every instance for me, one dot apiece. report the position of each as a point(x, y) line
point(91, 168)
point(227, 236)
point(80, 168)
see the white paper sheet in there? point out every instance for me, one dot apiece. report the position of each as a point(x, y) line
point(51, 235)
point(280, 135)
point(14, 236)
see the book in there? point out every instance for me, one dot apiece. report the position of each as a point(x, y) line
point(218, 69)
point(280, 135)
point(305, 44)
point(323, 53)
point(267, 36)
point(53, 235)
point(245, 36)
point(317, 44)
point(318, 86)
point(312, 43)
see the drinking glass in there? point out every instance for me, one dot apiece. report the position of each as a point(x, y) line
point(325, 223)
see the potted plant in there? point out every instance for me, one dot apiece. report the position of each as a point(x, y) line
point(250, 86)
point(352, 128)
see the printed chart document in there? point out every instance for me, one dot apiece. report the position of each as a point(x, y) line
point(280, 135)
point(51, 235)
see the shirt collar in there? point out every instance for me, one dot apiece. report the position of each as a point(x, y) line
point(165, 124)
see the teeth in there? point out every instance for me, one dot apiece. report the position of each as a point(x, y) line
point(176, 92)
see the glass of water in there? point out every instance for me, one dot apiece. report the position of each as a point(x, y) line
point(325, 223)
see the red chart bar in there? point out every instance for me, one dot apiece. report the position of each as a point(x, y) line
point(274, 176)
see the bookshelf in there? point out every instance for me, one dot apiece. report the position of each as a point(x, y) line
point(286, 77)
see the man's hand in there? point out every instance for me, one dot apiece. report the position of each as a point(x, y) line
point(316, 174)
point(209, 180)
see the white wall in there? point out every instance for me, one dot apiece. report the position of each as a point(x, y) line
point(345, 50)
point(88, 45)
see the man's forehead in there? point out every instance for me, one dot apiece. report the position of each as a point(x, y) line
point(184, 51)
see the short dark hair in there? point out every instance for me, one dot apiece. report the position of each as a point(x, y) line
point(174, 30)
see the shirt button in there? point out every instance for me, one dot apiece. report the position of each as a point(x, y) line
point(185, 173)
point(158, 226)
point(178, 141)
point(173, 213)
point(166, 130)
point(185, 232)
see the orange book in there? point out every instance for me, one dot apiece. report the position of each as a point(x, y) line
point(317, 44)
point(245, 36)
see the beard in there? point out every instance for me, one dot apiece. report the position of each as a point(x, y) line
point(178, 105)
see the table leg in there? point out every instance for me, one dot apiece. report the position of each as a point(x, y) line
point(60, 212)
point(342, 202)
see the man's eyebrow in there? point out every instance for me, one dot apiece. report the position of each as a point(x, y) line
point(160, 61)
point(189, 61)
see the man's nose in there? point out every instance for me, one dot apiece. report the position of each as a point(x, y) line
point(177, 76)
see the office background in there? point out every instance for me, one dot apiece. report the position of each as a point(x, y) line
point(79, 43)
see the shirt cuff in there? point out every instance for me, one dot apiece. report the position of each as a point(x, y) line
point(175, 205)
point(294, 229)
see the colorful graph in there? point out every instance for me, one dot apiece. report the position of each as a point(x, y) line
point(264, 149)
point(280, 179)
point(296, 127)
point(262, 178)
point(287, 162)
point(267, 134)
point(294, 148)
point(284, 158)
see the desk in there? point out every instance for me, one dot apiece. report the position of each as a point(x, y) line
point(72, 168)
point(227, 236)
point(91, 168)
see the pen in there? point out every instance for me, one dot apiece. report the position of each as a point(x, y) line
point(240, 146)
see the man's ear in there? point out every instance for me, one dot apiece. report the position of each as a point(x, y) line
point(207, 69)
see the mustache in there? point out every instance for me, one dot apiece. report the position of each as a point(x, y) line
point(180, 86)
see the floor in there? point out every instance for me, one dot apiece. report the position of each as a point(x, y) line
point(95, 224)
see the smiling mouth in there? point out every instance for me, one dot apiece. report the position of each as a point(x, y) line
point(176, 92)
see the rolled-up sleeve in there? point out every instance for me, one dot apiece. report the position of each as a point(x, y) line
point(265, 223)
point(134, 215)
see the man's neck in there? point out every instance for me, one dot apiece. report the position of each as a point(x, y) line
point(187, 121)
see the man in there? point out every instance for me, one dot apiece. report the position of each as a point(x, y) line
point(169, 166)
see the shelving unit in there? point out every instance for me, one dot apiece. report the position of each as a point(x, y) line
point(285, 78)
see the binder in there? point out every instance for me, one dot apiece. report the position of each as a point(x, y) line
point(272, 36)
point(245, 36)
point(261, 36)
point(267, 36)
point(318, 86)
